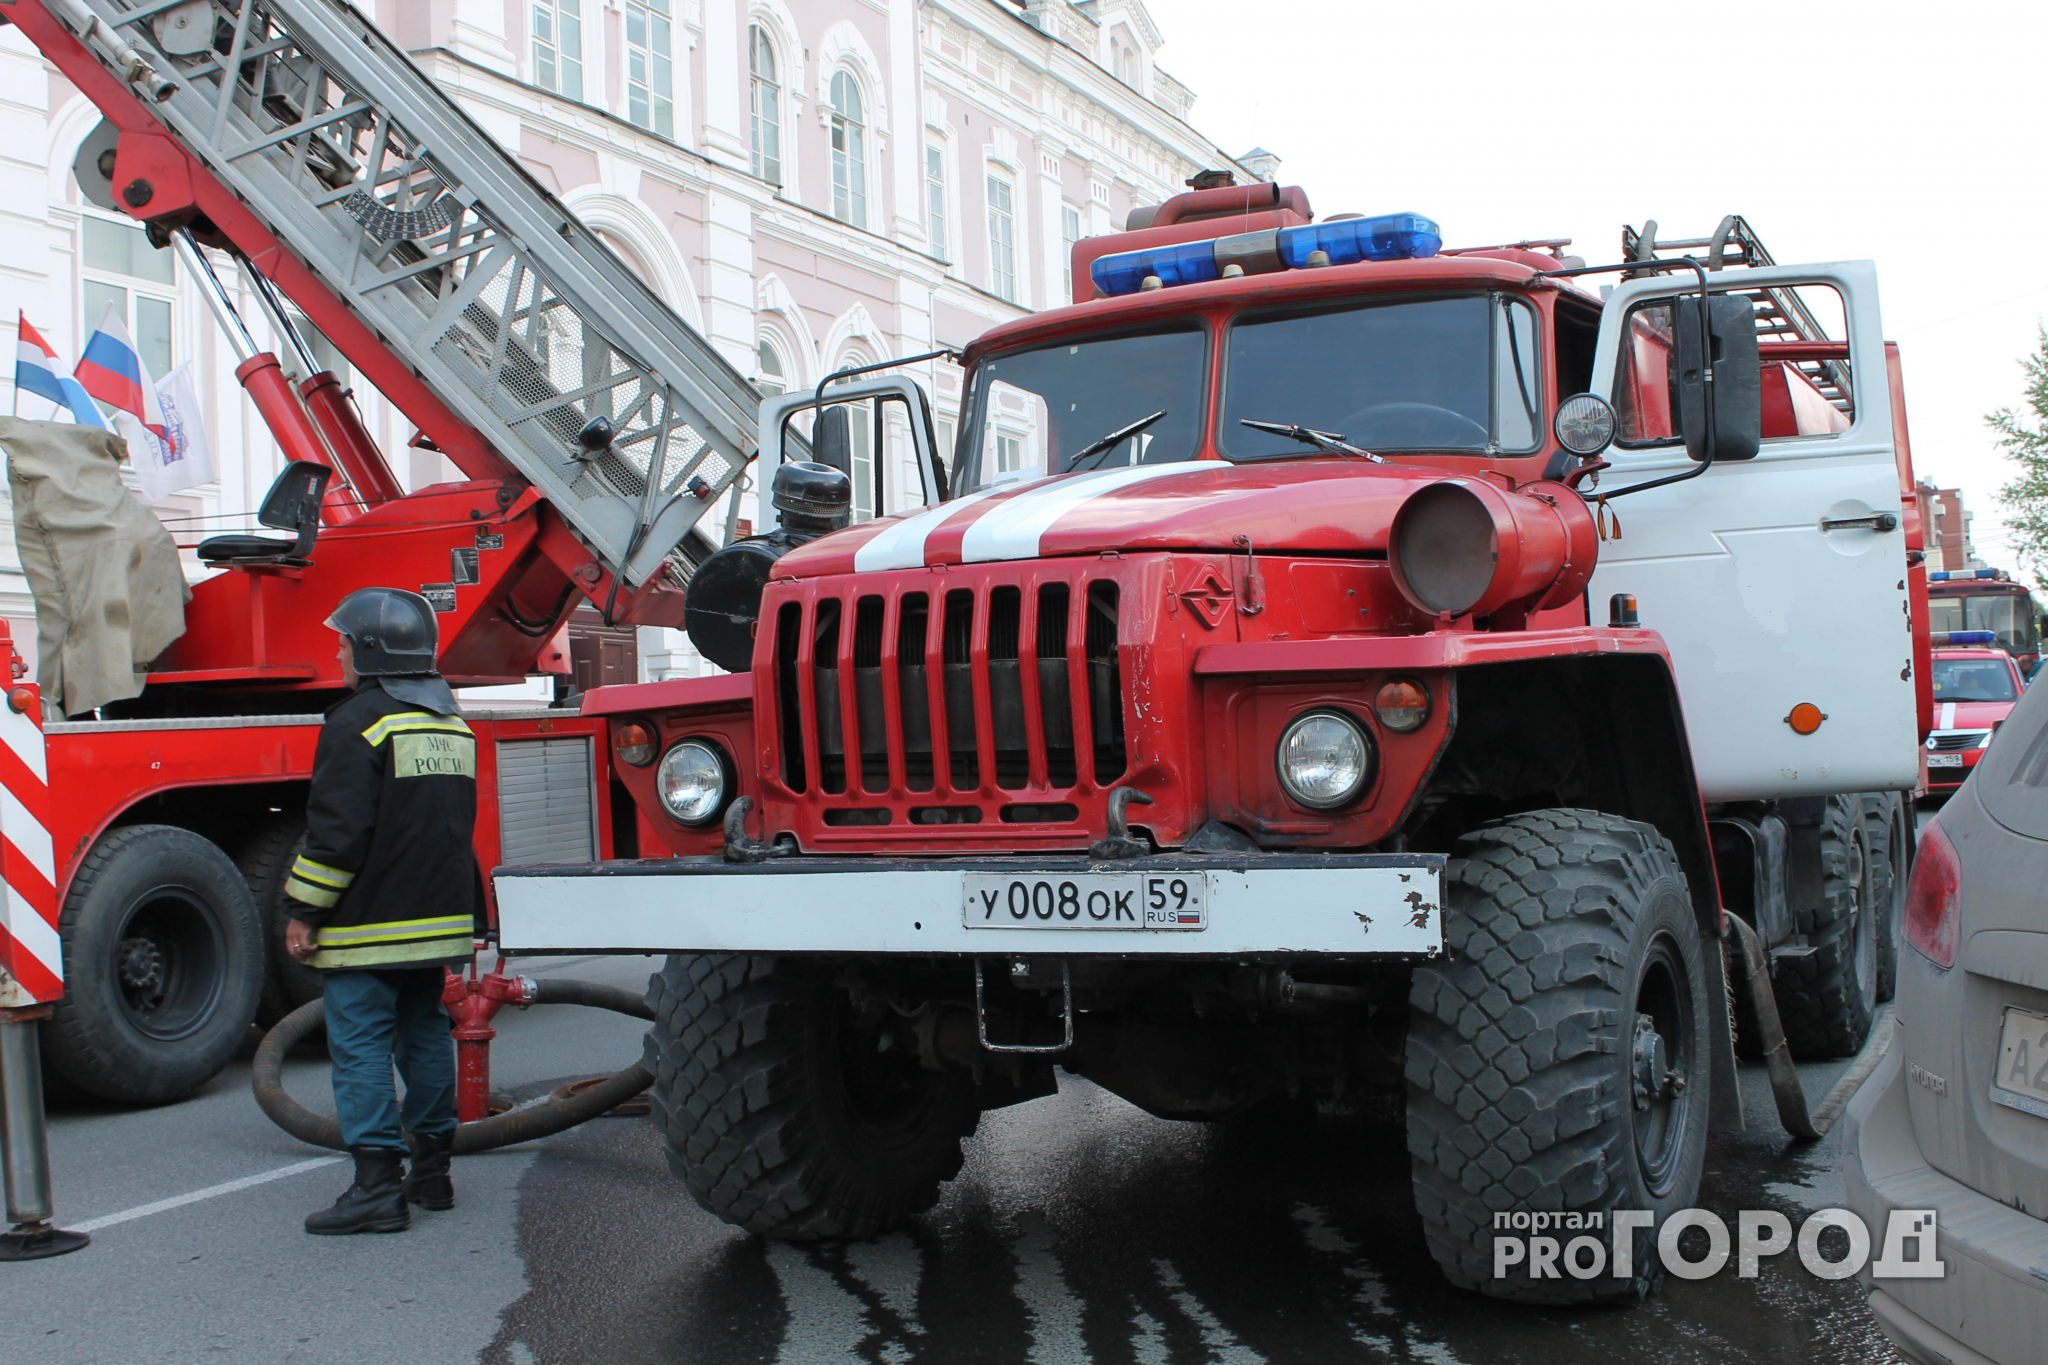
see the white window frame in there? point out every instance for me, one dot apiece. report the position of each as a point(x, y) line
point(655, 56)
point(1070, 233)
point(1002, 235)
point(849, 146)
point(552, 70)
point(937, 220)
point(766, 349)
point(764, 105)
point(134, 287)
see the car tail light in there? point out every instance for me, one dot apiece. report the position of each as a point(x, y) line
point(1934, 901)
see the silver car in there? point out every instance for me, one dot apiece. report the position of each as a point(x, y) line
point(1955, 1118)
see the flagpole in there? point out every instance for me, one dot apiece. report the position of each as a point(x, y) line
point(20, 316)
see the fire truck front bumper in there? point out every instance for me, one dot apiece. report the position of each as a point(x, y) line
point(1169, 906)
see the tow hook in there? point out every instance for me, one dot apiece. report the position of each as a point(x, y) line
point(741, 847)
point(1117, 845)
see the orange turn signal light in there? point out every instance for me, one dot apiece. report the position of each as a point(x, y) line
point(634, 742)
point(1805, 718)
point(20, 699)
point(1401, 705)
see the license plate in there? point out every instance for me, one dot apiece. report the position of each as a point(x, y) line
point(1944, 760)
point(2022, 1079)
point(1087, 900)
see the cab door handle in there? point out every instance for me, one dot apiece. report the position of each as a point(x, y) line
point(1877, 521)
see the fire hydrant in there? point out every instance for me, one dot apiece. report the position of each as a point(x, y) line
point(473, 1000)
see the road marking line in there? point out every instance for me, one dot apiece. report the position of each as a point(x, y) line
point(210, 1192)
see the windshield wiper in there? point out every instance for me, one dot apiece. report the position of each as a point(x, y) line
point(1111, 441)
point(1330, 442)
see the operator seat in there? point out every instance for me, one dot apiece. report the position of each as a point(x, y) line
point(292, 504)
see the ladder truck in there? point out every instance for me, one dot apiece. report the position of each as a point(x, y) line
point(1341, 671)
point(598, 436)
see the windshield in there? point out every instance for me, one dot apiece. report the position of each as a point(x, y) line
point(2009, 615)
point(1032, 411)
point(1973, 680)
point(1452, 374)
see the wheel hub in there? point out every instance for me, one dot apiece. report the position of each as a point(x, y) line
point(141, 965)
point(1651, 1073)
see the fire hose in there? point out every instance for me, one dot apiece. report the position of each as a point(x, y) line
point(561, 1111)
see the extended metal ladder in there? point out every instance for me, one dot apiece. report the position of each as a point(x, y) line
point(522, 321)
point(1781, 315)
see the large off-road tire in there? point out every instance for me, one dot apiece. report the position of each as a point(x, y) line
point(1826, 998)
point(1889, 822)
point(163, 960)
point(266, 861)
point(778, 1110)
point(1558, 1058)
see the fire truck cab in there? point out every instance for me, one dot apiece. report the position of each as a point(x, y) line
point(1331, 667)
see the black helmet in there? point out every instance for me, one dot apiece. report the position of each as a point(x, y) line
point(391, 632)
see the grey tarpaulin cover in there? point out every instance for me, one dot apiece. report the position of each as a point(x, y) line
point(110, 594)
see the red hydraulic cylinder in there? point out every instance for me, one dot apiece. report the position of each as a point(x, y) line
point(263, 379)
point(362, 464)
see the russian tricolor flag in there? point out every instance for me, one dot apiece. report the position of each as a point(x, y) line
point(111, 370)
point(36, 371)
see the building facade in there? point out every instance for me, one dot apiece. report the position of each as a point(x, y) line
point(812, 184)
point(1949, 546)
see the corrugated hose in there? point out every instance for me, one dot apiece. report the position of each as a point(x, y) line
point(555, 1115)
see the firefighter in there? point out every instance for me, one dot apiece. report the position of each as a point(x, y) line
point(383, 897)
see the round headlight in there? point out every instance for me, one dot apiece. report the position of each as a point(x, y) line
point(1324, 759)
point(691, 781)
point(1584, 424)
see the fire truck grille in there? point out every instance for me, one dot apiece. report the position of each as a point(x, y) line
point(964, 704)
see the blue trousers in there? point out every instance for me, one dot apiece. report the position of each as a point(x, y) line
point(373, 1019)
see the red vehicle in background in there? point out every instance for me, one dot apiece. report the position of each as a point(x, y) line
point(1987, 600)
point(1975, 688)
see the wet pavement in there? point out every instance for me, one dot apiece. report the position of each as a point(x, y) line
point(1080, 1230)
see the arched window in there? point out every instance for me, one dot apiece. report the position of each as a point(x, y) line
point(849, 152)
point(773, 379)
point(767, 106)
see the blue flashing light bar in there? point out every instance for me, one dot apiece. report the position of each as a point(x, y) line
point(1957, 638)
point(1389, 237)
point(1960, 575)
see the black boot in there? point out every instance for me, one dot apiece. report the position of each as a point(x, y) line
point(375, 1203)
point(428, 1184)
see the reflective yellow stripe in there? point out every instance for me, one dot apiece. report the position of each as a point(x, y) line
point(384, 955)
point(308, 870)
point(395, 930)
point(317, 896)
point(413, 720)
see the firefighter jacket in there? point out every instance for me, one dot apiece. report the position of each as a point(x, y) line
point(388, 876)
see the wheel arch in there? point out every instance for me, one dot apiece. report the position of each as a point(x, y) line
point(1602, 731)
point(227, 813)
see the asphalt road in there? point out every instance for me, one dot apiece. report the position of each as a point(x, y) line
point(1080, 1230)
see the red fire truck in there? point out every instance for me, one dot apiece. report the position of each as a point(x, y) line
point(1336, 666)
point(1987, 600)
point(595, 429)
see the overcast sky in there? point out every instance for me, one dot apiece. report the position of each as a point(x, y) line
point(1913, 135)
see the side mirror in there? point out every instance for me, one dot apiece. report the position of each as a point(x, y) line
point(832, 439)
point(1737, 425)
